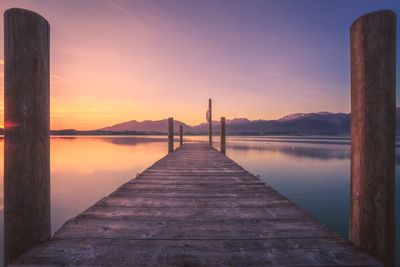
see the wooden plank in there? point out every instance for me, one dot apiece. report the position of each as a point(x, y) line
point(200, 191)
point(238, 178)
point(198, 174)
point(188, 194)
point(197, 187)
point(223, 183)
point(125, 252)
point(195, 207)
point(255, 229)
point(279, 212)
point(137, 201)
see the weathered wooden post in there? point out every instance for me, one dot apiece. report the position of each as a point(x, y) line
point(223, 136)
point(373, 123)
point(26, 138)
point(209, 122)
point(170, 135)
point(180, 135)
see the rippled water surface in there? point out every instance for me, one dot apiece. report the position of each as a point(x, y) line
point(311, 171)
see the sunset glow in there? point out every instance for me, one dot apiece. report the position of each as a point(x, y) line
point(120, 60)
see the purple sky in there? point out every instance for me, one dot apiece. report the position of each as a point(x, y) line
point(117, 60)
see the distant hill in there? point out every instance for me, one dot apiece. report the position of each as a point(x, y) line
point(145, 126)
point(203, 127)
point(319, 123)
point(300, 123)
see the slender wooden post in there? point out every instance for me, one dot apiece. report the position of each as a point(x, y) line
point(26, 138)
point(373, 123)
point(223, 136)
point(180, 135)
point(170, 135)
point(209, 122)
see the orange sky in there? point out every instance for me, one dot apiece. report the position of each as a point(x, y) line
point(116, 60)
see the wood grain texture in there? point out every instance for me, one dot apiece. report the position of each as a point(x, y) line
point(26, 140)
point(195, 207)
point(373, 109)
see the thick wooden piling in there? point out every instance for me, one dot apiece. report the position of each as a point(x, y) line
point(209, 122)
point(223, 136)
point(26, 121)
point(170, 135)
point(373, 122)
point(180, 135)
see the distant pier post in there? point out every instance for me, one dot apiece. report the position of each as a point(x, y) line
point(223, 136)
point(170, 135)
point(373, 123)
point(26, 137)
point(181, 135)
point(209, 117)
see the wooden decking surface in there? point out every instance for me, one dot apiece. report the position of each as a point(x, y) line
point(195, 207)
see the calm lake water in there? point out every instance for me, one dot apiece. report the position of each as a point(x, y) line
point(312, 171)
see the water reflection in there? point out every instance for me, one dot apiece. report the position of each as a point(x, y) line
point(296, 150)
point(312, 171)
point(132, 141)
point(315, 174)
point(86, 169)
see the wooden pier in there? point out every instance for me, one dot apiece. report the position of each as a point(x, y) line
point(195, 207)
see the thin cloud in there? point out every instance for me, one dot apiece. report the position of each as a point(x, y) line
point(117, 6)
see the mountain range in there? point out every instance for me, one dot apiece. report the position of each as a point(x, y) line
point(150, 126)
point(319, 123)
point(299, 123)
